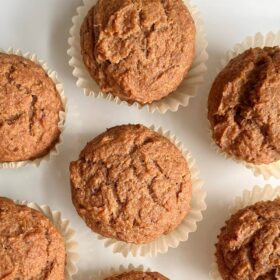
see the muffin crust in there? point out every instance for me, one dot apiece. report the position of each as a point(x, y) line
point(29, 110)
point(138, 50)
point(249, 244)
point(132, 184)
point(136, 275)
point(244, 106)
point(30, 246)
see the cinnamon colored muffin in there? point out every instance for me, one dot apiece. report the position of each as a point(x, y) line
point(136, 275)
point(248, 246)
point(132, 184)
point(244, 106)
point(29, 110)
point(30, 245)
point(138, 50)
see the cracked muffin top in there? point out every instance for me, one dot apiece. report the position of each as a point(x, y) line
point(249, 245)
point(244, 106)
point(29, 110)
point(30, 246)
point(138, 50)
point(137, 275)
point(132, 184)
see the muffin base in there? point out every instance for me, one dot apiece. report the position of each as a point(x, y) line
point(180, 97)
point(62, 114)
point(63, 226)
point(102, 274)
point(248, 198)
point(258, 40)
point(180, 233)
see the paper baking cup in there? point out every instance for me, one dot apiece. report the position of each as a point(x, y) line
point(62, 114)
point(248, 198)
point(180, 97)
point(63, 226)
point(101, 275)
point(259, 40)
point(179, 234)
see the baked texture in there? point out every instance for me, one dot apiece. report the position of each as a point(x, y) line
point(244, 106)
point(29, 110)
point(249, 245)
point(30, 246)
point(132, 184)
point(138, 50)
point(136, 275)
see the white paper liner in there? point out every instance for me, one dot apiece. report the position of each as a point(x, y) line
point(248, 198)
point(259, 40)
point(62, 114)
point(181, 233)
point(63, 226)
point(180, 97)
point(101, 275)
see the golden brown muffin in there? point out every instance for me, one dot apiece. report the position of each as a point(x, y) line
point(244, 106)
point(31, 248)
point(138, 50)
point(132, 184)
point(29, 110)
point(249, 245)
point(136, 275)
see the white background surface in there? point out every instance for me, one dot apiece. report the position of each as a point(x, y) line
point(42, 27)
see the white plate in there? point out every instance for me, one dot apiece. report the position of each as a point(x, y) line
point(41, 27)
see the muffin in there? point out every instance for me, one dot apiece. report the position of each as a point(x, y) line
point(248, 246)
point(29, 110)
point(131, 184)
point(137, 275)
point(30, 245)
point(244, 106)
point(140, 51)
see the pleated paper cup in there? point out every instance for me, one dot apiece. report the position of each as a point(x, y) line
point(101, 275)
point(248, 198)
point(62, 114)
point(259, 40)
point(180, 97)
point(63, 226)
point(179, 234)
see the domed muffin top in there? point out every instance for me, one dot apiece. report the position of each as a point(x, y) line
point(138, 50)
point(137, 275)
point(30, 245)
point(132, 184)
point(29, 110)
point(244, 106)
point(248, 246)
